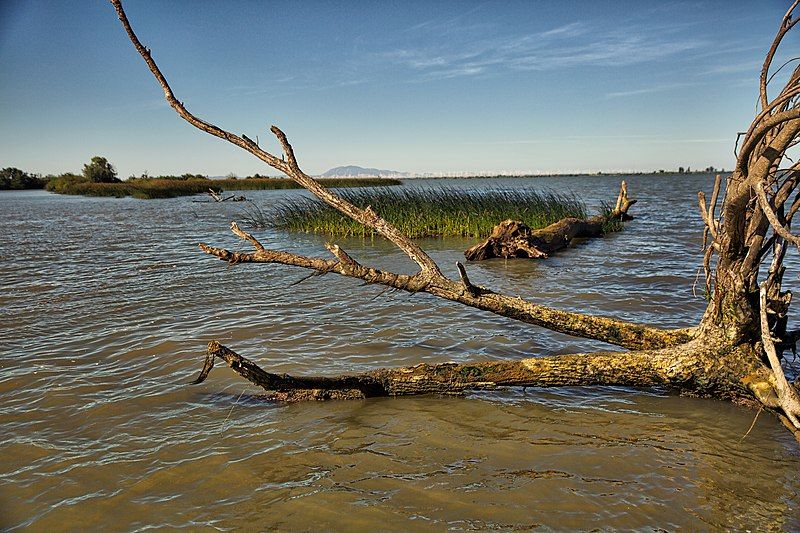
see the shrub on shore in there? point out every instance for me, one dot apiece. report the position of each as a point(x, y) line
point(99, 170)
point(64, 182)
point(423, 212)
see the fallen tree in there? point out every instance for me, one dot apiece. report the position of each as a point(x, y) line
point(735, 352)
point(512, 238)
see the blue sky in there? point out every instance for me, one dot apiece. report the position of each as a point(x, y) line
point(533, 86)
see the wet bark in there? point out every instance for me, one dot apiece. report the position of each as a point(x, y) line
point(708, 367)
point(693, 367)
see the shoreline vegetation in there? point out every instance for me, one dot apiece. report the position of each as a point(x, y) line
point(99, 178)
point(171, 187)
point(421, 212)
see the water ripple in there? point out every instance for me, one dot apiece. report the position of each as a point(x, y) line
point(107, 306)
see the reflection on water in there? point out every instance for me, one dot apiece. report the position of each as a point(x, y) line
point(107, 305)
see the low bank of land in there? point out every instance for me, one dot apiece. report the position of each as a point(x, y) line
point(170, 188)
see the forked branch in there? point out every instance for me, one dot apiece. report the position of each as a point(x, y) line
point(788, 398)
point(787, 23)
point(367, 217)
point(612, 331)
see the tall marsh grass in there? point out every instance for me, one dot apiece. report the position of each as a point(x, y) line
point(422, 212)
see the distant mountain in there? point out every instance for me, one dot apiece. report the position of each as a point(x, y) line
point(352, 170)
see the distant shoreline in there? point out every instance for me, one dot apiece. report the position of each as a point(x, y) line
point(166, 188)
point(170, 188)
point(571, 175)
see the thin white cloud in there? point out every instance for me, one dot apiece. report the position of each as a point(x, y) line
point(448, 25)
point(428, 62)
point(734, 68)
point(457, 72)
point(566, 46)
point(650, 90)
point(572, 29)
point(630, 139)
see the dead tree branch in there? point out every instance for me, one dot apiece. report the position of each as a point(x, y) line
point(786, 24)
point(608, 330)
point(724, 356)
point(637, 369)
point(429, 277)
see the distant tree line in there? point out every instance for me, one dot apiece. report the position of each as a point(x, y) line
point(15, 179)
point(97, 170)
point(100, 170)
point(182, 177)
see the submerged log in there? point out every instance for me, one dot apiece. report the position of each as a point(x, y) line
point(706, 367)
point(695, 367)
point(512, 238)
point(216, 196)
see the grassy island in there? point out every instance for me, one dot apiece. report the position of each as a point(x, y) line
point(423, 212)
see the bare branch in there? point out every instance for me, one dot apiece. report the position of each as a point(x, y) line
point(608, 330)
point(707, 216)
point(707, 266)
point(776, 224)
point(712, 206)
point(722, 356)
point(645, 368)
point(787, 395)
point(289, 167)
point(786, 24)
point(246, 236)
point(287, 148)
point(469, 287)
point(761, 131)
point(429, 278)
point(179, 107)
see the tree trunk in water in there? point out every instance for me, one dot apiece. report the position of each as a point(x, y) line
point(697, 367)
point(734, 353)
point(512, 238)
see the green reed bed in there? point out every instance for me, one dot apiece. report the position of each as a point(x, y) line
point(423, 212)
point(171, 188)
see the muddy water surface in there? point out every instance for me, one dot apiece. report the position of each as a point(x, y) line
point(107, 304)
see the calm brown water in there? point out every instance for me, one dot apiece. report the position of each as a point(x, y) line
point(107, 304)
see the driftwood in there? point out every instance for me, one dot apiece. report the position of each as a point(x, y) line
point(512, 238)
point(735, 352)
point(216, 196)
